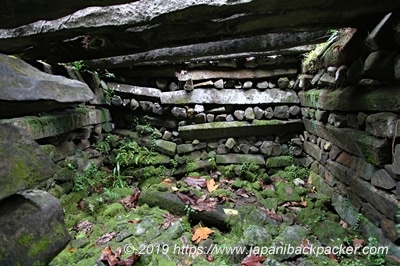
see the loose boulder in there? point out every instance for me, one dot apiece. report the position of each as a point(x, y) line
point(24, 164)
point(32, 228)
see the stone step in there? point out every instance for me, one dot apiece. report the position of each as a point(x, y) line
point(230, 96)
point(57, 123)
point(218, 130)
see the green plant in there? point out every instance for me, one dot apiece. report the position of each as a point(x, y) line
point(375, 258)
point(78, 65)
point(71, 167)
point(90, 178)
point(189, 210)
point(292, 172)
point(108, 193)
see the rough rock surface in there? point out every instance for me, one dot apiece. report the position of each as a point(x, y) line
point(26, 90)
point(24, 164)
point(32, 228)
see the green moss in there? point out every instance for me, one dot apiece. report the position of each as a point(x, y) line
point(113, 210)
point(39, 246)
point(279, 161)
point(24, 239)
point(285, 192)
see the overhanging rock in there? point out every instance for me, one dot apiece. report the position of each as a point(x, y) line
point(218, 130)
point(229, 96)
point(26, 90)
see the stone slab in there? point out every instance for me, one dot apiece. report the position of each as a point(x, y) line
point(353, 99)
point(239, 159)
point(57, 123)
point(229, 96)
point(371, 149)
point(136, 92)
point(218, 130)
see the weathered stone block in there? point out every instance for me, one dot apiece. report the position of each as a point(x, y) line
point(239, 129)
point(353, 99)
point(137, 92)
point(382, 179)
point(24, 164)
point(379, 65)
point(371, 149)
point(338, 170)
point(58, 123)
point(279, 161)
point(239, 159)
point(32, 228)
point(383, 125)
point(229, 96)
point(26, 90)
point(313, 150)
point(384, 202)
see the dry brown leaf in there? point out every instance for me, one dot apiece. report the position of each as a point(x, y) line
point(272, 214)
point(344, 224)
point(187, 199)
point(114, 259)
point(105, 238)
point(201, 233)
point(168, 220)
point(211, 185)
point(195, 181)
point(358, 243)
point(205, 204)
point(129, 202)
point(333, 257)
point(253, 260)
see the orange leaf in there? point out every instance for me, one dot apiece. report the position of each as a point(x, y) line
point(201, 233)
point(211, 186)
point(303, 203)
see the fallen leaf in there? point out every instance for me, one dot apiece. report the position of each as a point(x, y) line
point(84, 227)
point(168, 220)
point(272, 214)
point(188, 200)
point(205, 204)
point(211, 185)
point(80, 204)
point(129, 202)
point(306, 245)
point(215, 174)
point(243, 193)
point(134, 221)
point(209, 257)
point(303, 202)
point(253, 260)
point(201, 233)
point(358, 243)
point(195, 181)
point(333, 257)
point(168, 181)
point(71, 249)
point(344, 224)
point(313, 190)
point(105, 238)
point(231, 212)
point(114, 259)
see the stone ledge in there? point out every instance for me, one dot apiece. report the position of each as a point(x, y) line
point(353, 99)
point(139, 93)
point(218, 130)
point(360, 143)
point(230, 96)
point(57, 123)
